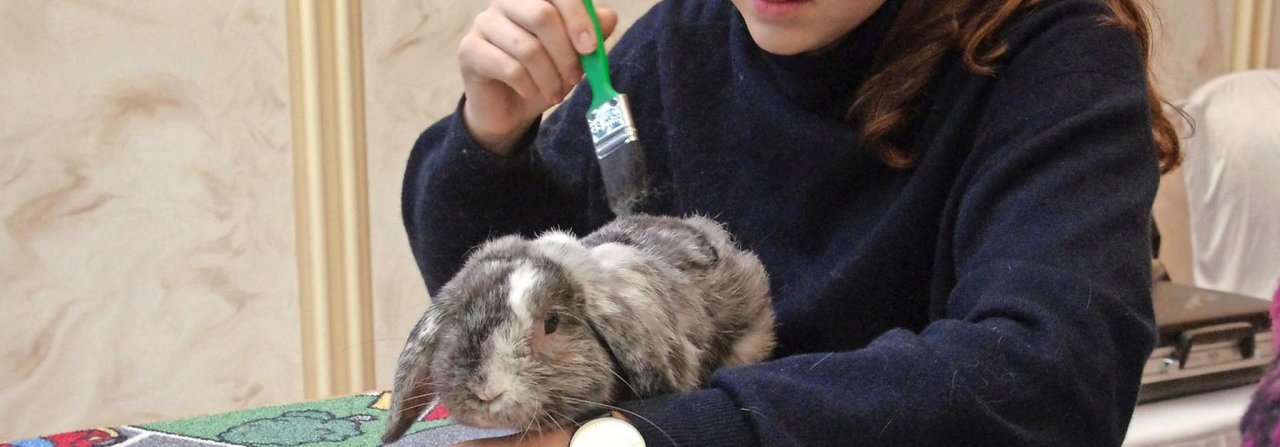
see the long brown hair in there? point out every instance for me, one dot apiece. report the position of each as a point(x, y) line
point(926, 31)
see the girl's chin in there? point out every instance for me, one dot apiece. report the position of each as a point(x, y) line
point(782, 42)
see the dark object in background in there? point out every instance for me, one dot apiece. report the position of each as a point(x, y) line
point(1209, 340)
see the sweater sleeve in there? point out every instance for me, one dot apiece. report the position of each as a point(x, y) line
point(1040, 337)
point(457, 194)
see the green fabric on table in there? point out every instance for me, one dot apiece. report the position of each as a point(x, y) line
point(348, 421)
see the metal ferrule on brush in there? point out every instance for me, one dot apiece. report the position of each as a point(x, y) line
point(620, 155)
point(611, 126)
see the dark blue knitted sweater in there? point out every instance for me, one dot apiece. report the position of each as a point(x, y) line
point(997, 293)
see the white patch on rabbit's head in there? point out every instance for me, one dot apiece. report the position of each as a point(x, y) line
point(520, 284)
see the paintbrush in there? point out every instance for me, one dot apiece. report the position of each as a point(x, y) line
point(613, 131)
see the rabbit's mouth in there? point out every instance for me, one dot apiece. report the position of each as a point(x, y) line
point(485, 418)
point(497, 414)
point(479, 420)
point(534, 418)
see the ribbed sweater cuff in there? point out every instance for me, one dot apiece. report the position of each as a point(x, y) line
point(478, 160)
point(702, 418)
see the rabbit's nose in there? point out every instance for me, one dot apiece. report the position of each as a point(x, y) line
point(488, 392)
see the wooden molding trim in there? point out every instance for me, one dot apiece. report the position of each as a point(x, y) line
point(331, 196)
point(1263, 16)
point(1250, 44)
point(1242, 35)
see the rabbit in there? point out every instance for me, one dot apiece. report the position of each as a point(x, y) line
point(535, 334)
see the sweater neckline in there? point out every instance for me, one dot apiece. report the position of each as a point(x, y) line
point(824, 82)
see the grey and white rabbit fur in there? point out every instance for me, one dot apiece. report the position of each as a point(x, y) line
point(536, 334)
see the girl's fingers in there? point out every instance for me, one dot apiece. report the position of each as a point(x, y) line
point(525, 47)
point(578, 25)
point(542, 19)
point(608, 21)
point(481, 57)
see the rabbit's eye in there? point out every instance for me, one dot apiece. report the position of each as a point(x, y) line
point(551, 324)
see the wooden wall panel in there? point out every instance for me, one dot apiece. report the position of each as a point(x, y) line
point(1192, 43)
point(1273, 39)
point(147, 266)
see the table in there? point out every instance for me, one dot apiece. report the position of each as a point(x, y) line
point(1208, 419)
point(348, 421)
point(1203, 420)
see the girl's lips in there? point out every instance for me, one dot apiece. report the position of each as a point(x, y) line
point(777, 8)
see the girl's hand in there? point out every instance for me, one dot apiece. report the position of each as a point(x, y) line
point(554, 438)
point(519, 59)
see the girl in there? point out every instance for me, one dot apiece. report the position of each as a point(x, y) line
point(952, 199)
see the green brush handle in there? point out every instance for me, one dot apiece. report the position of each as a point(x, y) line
point(596, 64)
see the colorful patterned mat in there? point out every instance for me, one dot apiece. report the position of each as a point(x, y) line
point(349, 421)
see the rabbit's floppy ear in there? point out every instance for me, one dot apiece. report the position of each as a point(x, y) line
point(634, 317)
point(642, 351)
point(414, 388)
